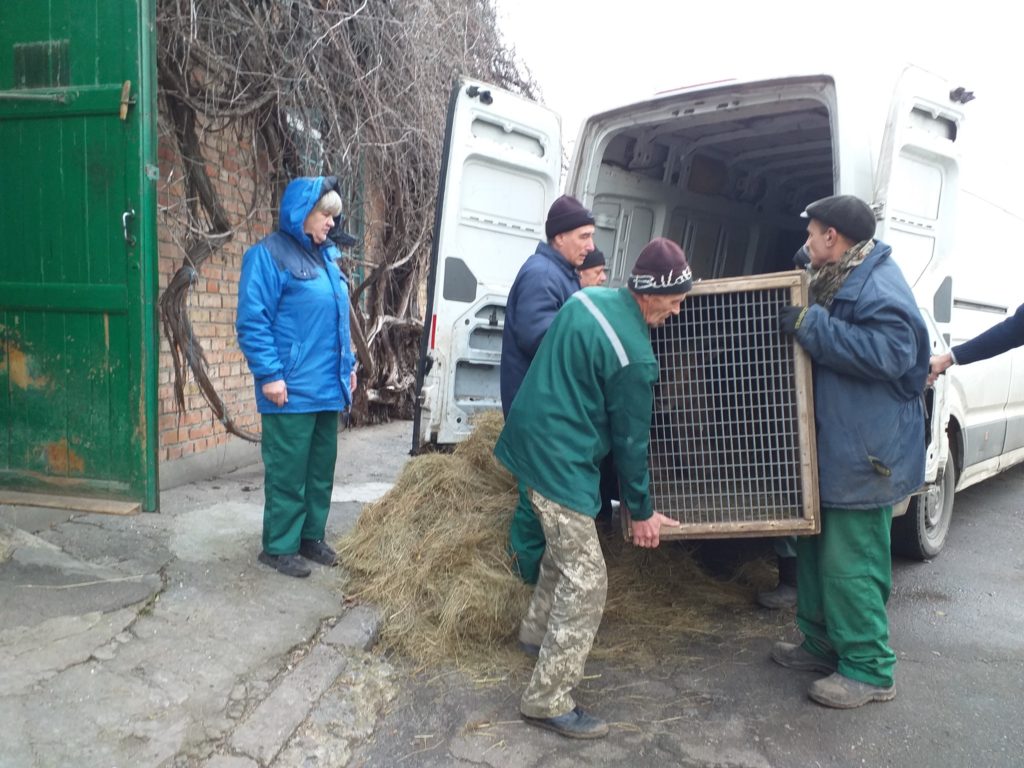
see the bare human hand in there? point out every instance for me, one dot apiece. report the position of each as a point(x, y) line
point(938, 364)
point(353, 383)
point(647, 533)
point(276, 392)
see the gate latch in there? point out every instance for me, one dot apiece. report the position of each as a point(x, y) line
point(125, 217)
point(126, 100)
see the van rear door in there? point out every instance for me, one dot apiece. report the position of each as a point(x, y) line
point(499, 176)
point(917, 189)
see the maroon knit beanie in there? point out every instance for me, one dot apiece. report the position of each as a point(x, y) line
point(565, 215)
point(661, 268)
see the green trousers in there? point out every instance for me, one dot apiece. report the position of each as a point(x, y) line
point(526, 539)
point(299, 452)
point(844, 577)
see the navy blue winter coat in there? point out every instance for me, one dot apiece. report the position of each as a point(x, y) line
point(1000, 338)
point(870, 351)
point(293, 321)
point(540, 289)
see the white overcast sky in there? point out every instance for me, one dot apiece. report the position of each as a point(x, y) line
point(588, 56)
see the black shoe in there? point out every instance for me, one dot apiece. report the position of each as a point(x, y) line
point(576, 724)
point(289, 565)
point(318, 552)
point(530, 649)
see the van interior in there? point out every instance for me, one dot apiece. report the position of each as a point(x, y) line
point(728, 185)
point(726, 179)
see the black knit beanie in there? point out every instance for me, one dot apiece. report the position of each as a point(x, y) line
point(566, 214)
point(594, 259)
point(661, 268)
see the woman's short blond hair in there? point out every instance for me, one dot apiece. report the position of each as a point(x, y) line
point(329, 203)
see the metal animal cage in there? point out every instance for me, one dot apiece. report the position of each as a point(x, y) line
point(732, 435)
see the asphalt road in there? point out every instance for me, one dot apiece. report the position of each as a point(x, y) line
point(957, 626)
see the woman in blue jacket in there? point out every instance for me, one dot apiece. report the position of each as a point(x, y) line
point(293, 328)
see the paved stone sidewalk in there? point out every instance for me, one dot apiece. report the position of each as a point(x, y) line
point(158, 640)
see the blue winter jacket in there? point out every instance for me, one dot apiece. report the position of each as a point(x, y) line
point(540, 289)
point(870, 353)
point(293, 306)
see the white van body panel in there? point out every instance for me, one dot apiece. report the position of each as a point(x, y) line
point(501, 176)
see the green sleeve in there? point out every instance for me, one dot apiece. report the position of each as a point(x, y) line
point(630, 398)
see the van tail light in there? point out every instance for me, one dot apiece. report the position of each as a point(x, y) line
point(433, 330)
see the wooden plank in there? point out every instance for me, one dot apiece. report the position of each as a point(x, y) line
point(791, 279)
point(736, 530)
point(76, 503)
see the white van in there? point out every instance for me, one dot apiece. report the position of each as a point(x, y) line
point(725, 169)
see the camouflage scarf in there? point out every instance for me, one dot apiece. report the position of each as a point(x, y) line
point(828, 279)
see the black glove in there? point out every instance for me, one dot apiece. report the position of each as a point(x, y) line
point(790, 318)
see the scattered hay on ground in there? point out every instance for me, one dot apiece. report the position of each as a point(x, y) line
point(432, 554)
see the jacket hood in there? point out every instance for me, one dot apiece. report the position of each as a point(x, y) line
point(298, 200)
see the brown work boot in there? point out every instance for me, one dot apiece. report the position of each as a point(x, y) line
point(793, 656)
point(843, 692)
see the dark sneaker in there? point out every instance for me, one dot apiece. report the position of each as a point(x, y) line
point(530, 649)
point(318, 552)
point(846, 693)
point(783, 596)
point(793, 656)
point(289, 565)
point(576, 724)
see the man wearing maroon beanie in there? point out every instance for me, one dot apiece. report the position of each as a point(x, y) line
point(589, 394)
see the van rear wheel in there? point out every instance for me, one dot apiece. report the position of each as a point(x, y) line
point(921, 533)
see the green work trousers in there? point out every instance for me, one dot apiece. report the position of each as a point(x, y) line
point(526, 539)
point(844, 576)
point(299, 452)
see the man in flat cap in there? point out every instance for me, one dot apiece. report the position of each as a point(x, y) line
point(543, 284)
point(870, 350)
point(589, 393)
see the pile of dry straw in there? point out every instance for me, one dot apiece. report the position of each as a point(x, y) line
point(432, 555)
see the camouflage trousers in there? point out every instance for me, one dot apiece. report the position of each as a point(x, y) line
point(566, 607)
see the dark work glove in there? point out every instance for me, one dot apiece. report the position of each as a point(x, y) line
point(790, 318)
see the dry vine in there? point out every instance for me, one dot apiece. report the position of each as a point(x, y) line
point(355, 89)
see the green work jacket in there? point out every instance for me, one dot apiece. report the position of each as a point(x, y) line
point(589, 391)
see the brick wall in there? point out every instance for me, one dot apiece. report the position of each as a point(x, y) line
point(212, 300)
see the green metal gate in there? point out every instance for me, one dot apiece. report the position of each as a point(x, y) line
point(78, 345)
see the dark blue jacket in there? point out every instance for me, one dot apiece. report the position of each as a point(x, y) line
point(870, 353)
point(293, 321)
point(996, 340)
point(540, 289)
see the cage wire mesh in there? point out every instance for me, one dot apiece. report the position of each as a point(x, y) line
point(732, 436)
